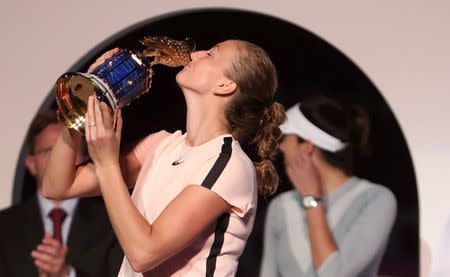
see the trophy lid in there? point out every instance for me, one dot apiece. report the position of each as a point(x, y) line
point(167, 51)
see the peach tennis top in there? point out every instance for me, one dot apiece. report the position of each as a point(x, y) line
point(168, 166)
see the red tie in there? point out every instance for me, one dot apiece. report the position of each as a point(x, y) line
point(57, 215)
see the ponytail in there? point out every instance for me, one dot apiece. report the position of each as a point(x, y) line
point(266, 142)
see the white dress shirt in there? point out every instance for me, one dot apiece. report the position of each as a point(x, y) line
point(69, 206)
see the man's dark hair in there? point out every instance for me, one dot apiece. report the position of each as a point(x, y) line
point(40, 121)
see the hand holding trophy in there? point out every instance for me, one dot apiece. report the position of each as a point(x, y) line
point(119, 80)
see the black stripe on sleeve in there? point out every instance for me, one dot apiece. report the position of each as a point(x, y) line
point(216, 248)
point(219, 165)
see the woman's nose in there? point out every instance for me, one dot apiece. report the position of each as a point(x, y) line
point(197, 55)
point(194, 56)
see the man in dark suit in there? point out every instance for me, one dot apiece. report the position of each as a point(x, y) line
point(42, 237)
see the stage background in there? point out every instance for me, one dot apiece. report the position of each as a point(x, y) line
point(402, 47)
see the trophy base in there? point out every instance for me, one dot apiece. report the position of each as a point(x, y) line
point(72, 92)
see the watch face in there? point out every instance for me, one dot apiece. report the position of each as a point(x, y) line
point(309, 201)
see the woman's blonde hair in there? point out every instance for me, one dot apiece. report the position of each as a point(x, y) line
point(253, 117)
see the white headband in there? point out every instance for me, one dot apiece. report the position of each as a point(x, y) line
point(297, 124)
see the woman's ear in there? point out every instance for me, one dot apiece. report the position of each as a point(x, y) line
point(225, 87)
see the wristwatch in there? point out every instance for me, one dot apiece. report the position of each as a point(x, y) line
point(310, 201)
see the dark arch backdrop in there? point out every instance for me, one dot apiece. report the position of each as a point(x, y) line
point(307, 65)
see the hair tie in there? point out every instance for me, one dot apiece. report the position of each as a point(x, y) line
point(264, 159)
point(266, 110)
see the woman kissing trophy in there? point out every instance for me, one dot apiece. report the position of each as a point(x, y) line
point(119, 80)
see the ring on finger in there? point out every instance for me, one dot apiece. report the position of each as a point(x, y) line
point(91, 124)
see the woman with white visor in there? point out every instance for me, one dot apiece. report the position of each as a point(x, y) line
point(332, 223)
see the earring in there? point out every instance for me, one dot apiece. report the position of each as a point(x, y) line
point(214, 89)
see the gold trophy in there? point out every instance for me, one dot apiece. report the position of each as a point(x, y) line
point(119, 80)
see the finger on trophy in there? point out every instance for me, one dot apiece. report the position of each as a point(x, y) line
point(108, 117)
point(90, 114)
point(99, 120)
point(100, 60)
point(119, 123)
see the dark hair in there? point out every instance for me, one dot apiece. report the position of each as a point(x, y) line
point(253, 117)
point(351, 126)
point(40, 121)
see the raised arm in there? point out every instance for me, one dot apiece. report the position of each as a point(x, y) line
point(369, 232)
point(304, 176)
point(61, 168)
point(64, 179)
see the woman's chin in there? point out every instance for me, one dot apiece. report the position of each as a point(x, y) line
point(179, 78)
point(181, 81)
